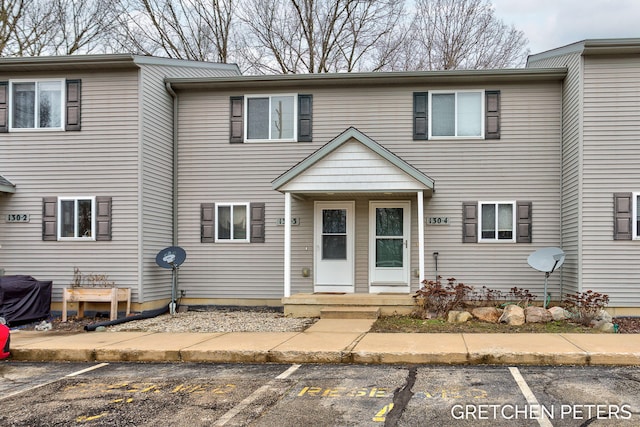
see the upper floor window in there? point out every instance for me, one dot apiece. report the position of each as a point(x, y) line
point(76, 217)
point(37, 104)
point(271, 117)
point(497, 221)
point(456, 114)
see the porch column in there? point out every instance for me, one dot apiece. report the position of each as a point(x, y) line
point(287, 245)
point(420, 237)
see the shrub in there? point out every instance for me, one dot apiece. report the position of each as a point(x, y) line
point(90, 280)
point(496, 298)
point(437, 298)
point(585, 306)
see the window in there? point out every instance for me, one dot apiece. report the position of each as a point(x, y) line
point(37, 104)
point(456, 114)
point(271, 118)
point(497, 221)
point(636, 216)
point(76, 218)
point(231, 222)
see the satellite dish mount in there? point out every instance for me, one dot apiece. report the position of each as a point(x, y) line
point(171, 258)
point(547, 260)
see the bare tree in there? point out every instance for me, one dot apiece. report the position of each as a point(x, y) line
point(55, 27)
point(317, 36)
point(85, 26)
point(11, 17)
point(464, 34)
point(187, 29)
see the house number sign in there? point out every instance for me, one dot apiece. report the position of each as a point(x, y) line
point(294, 221)
point(18, 217)
point(438, 220)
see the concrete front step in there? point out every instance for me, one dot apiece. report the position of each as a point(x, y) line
point(350, 313)
point(310, 305)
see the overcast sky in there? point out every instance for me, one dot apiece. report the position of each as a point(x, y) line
point(548, 24)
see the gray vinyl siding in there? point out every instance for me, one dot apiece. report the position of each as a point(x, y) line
point(212, 170)
point(157, 166)
point(611, 158)
point(99, 160)
point(572, 191)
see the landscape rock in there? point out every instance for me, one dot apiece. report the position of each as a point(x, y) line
point(559, 313)
point(535, 314)
point(512, 315)
point(607, 327)
point(486, 314)
point(465, 316)
point(604, 315)
point(458, 316)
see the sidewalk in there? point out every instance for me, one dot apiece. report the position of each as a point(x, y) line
point(329, 341)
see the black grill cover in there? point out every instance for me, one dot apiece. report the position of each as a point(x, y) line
point(24, 299)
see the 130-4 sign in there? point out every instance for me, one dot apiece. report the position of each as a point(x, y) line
point(438, 220)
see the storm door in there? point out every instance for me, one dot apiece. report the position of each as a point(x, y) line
point(334, 247)
point(389, 243)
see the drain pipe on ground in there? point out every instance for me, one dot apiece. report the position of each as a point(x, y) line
point(144, 315)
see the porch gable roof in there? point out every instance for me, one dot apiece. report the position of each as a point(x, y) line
point(6, 186)
point(408, 177)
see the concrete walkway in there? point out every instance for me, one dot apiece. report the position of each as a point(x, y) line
point(329, 341)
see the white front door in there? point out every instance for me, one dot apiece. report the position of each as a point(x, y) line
point(389, 235)
point(334, 244)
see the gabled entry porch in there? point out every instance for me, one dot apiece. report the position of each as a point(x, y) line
point(367, 208)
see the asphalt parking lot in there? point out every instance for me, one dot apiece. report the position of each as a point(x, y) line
point(126, 394)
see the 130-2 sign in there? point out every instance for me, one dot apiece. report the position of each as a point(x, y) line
point(22, 217)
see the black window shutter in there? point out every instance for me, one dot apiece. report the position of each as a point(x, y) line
point(73, 104)
point(257, 222)
point(622, 206)
point(523, 222)
point(492, 114)
point(4, 107)
point(420, 112)
point(103, 218)
point(49, 216)
point(207, 222)
point(305, 122)
point(236, 130)
point(469, 222)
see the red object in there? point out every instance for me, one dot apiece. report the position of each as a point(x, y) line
point(4, 341)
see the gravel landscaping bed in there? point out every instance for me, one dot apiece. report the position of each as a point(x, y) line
point(205, 319)
point(218, 320)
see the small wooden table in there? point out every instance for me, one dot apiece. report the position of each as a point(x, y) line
point(82, 295)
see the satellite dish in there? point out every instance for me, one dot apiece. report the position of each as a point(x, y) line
point(171, 258)
point(546, 260)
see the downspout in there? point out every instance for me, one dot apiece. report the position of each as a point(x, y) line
point(174, 192)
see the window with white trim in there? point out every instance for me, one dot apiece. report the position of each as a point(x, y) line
point(271, 117)
point(497, 221)
point(76, 219)
point(456, 114)
point(231, 222)
point(36, 104)
point(635, 219)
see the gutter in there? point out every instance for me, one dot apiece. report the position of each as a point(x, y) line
point(174, 179)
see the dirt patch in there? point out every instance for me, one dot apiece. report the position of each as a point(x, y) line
point(407, 324)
